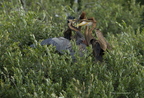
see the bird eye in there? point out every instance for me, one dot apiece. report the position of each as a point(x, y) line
point(68, 21)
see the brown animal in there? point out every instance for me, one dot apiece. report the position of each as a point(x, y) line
point(100, 45)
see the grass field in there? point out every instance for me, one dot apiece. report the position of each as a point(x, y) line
point(41, 73)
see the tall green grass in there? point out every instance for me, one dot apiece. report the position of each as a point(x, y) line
point(41, 73)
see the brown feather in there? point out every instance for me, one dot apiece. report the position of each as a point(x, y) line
point(102, 41)
point(88, 31)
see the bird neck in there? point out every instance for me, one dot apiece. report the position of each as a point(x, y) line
point(93, 27)
point(78, 33)
point(88, 33)
point(72, 27)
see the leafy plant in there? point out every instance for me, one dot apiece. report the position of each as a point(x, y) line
point(42, 73)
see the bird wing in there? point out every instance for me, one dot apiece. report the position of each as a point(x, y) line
point(46, 41)
point(102, 41)
point(61, 43)
point(97, 50)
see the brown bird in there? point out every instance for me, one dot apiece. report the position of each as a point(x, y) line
point(68, 31)
point(100, 45)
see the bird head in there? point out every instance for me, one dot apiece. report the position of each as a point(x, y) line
point(71, 19)
point(76, 20)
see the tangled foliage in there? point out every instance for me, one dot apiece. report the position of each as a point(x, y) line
point(41, 73)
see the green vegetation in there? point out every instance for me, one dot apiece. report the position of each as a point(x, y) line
point(41, 73)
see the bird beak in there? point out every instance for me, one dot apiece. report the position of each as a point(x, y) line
point(83, 23)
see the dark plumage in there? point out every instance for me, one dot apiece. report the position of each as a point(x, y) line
point(98, 52)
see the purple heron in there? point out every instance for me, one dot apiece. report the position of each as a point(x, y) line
point(99, 45)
